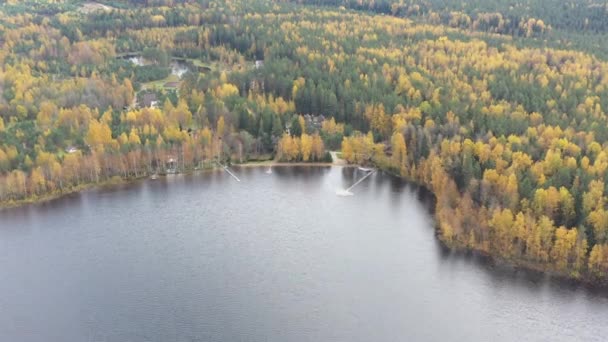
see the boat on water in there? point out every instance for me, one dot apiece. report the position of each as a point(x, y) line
point(154, 176)
point(365, 169)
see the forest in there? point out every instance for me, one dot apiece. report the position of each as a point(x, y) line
point(499, 111)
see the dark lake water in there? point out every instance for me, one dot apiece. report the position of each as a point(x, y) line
point(275, 257)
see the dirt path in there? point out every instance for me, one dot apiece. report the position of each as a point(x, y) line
point(337, 160)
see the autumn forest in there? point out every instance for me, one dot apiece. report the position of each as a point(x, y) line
point(500, 111)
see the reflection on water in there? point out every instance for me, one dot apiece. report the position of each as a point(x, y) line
point(299, 172)
point(275, 257)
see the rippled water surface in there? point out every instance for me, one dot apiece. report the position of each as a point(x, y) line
point(275, 257)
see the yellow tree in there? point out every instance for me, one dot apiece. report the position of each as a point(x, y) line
point(98, 135)
point(545, 230)
point(502, 231)
point(330, 127)
point(599, 222)
point(71, 167)
point(302, 123)
point(378, 120)
point(306, 142)
point(564, 248)
point(347, 149)
point(594, 197)
point(399, 149)
point(134, 139)
point(511, 193)
point(566, 206)
point(220, 126)
point(288, 148)
point(181, 114)
point(16, 184)
point(37, 181)
point(598, 261)
point(318, 149)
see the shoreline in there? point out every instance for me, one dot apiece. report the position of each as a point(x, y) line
point(116, 180)
point(524, 266)
point(283, 164)
point(495, 261)
point(582, 279)
point(500, 262)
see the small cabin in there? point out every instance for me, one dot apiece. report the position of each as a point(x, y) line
point(149, 100)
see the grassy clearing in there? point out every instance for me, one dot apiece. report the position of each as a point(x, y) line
point(160, 83)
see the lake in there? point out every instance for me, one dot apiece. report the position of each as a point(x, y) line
point(275, 257)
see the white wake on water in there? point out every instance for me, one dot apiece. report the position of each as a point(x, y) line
point(342, 192)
